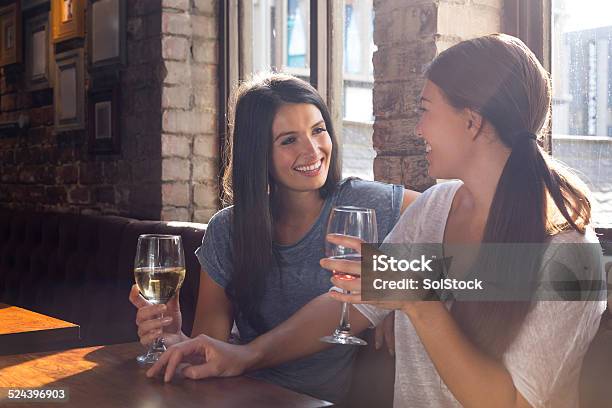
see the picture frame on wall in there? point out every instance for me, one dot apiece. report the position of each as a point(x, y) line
point(68, 18)
point(107, 22)
point(39, 52)
point(10, 35)
point(69, 91)
point(103, 111)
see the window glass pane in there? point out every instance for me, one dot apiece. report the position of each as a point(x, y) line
point(582, 95)
point(358, 81)
point(281, 36)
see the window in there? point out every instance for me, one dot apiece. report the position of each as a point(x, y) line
point(357, 85)
point(281, 36)
point(281, 41)
point(582, 95)
point(358, 69)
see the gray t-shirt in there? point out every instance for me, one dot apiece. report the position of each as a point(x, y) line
point(300, 279)
point(544, 360)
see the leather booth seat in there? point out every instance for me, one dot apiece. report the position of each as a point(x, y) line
point(80, 268)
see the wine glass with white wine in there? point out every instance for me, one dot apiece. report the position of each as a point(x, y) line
point(159, 271)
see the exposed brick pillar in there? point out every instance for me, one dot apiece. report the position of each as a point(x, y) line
point(409, 34)
point(189, 141)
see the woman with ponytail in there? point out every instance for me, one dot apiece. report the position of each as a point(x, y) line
point(485, 104)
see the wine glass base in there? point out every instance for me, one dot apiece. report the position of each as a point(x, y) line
point(150, 357)
point(343, 337)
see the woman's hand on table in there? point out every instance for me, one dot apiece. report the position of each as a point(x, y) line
point(204, 357)
point(150, 323)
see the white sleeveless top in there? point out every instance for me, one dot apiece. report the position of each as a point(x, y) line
point(545, 358)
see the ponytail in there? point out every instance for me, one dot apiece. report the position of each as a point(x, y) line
point(536, 197)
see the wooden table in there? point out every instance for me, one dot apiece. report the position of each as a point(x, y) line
point(24, 331)
point(109, 376)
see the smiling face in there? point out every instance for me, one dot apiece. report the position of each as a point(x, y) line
point(446, 133)
point(301, 148)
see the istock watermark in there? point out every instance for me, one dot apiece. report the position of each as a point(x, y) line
point(482, 272)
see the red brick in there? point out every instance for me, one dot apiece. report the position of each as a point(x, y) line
point(68, 174)
point(91, 173)
point(9, 102)
point(105, 195)
point(55, 194)
point(388, 169)
point(397, 136)
point(414, 173)
point(79, 195)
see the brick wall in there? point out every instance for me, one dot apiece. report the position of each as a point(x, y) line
point(167, 167)
point(189, 141)
point(49, 171)
point(409, 34)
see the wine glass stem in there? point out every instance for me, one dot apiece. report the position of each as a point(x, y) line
point(159, 345)
point(345, 326)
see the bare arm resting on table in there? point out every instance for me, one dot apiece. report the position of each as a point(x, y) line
point(295, 338)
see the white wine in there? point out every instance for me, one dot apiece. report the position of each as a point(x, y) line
point(159, 284)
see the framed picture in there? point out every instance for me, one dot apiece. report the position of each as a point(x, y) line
point(39, 52)
point(10, 35)
point(69, 91)
point(68, 19)
point(103, 119)
point(107, 25)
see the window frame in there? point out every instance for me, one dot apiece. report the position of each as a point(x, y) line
point(531, 21)
point(236, 56)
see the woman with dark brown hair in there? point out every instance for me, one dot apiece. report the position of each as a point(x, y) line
point(484, 106)
point(260, 255)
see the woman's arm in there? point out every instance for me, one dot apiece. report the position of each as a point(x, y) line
point(295, 338)
point(299, 335)
point(474, 379)
point(409, 197)
point(214, 312)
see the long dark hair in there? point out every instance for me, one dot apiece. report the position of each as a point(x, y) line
point(498, 77)
point(247, 183)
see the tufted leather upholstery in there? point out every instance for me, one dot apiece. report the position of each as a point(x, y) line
point(79, 268)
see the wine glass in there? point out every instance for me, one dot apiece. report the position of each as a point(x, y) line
point(355, 222)
point(159, 271)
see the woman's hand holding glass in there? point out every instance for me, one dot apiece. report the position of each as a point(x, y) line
point(353, 268)
point(151, 324)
